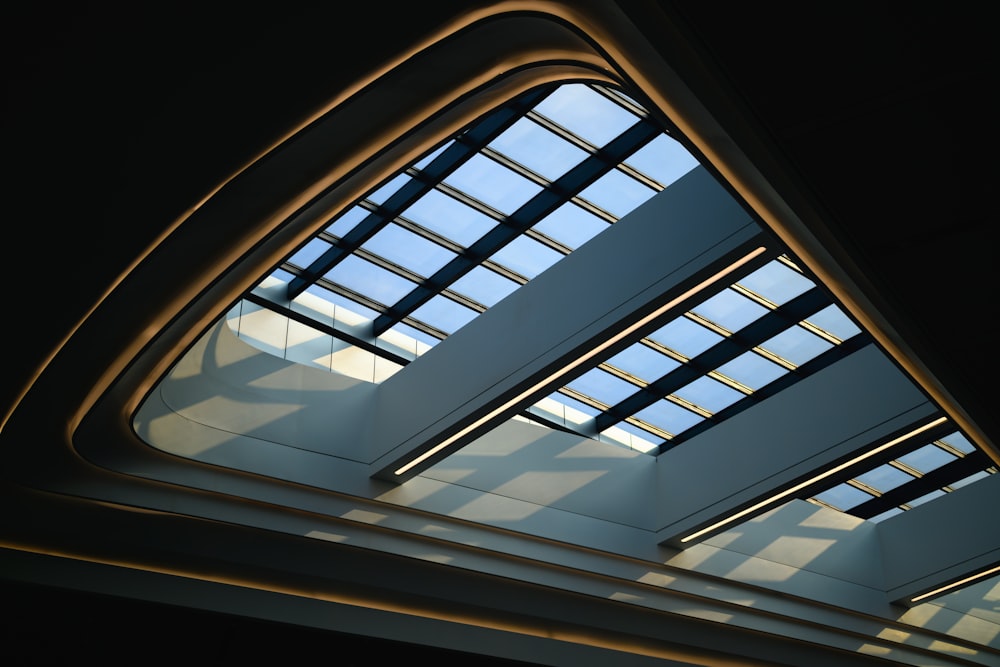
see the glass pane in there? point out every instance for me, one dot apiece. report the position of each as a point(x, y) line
point(348, 221)
point(603, 386)
point(752, 370)
point(730, 310)
point(685, 337)
point(484, 286)
point(493, 184)
point(380, 195)
point(885, 477)
point(442, 313)
point(669, 417)
point(923, 499)
point(403, 247)
point(797, 345)
point(833, 320)
point(415, 334)
point(538, 149)
point(585, 112)
point(372, 281)
point(571, 225)
point(643, 362)
point(970, 479)
point(843, 496)
point(342, 302)
point(309, 253)
point(927, 458)
point(776, 282)
point(709, 394)
point(526, 256)
point(959, 442)
point(575, 404)
point(450, 218)
point(617, 193)
point(663, 159)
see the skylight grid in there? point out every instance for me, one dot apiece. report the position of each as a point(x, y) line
point(433, 247)
point(913, 475)
point(700, 366)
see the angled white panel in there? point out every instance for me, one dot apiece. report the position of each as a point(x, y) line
point(667, 245)
point(816, 422)
point(936, 543)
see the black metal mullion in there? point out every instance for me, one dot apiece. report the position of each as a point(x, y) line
point(561, 190)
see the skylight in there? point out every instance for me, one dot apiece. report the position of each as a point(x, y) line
point(433, 247)
point(429, 250)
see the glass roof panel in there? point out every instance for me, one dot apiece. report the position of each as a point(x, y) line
point(643, 362)
point(752, 370)
point(776, 282)
point(685, 337)
point(587, 113)
point(885, 478)
point(450, 218)
point(730, 310)
point(484, 286)
point(663, 159)
point(669, 416)
point(347, 221)
point(796, 345)
point(959, 442)
point(709, 394)
point(308, 253)
point(526, 256)
point(843, 496)
point(538, 149)
point(493, 184)
point(444, 314)
point(388, 189)
point(408, 250)
point(617, 193)
point(602, 386)
point(571, 225)
point(362, 276)
point(833, 320)
point(926, 458)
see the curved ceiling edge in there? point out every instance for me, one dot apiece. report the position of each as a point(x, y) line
point(316, 169)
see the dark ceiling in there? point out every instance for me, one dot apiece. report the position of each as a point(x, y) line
point(881, 112)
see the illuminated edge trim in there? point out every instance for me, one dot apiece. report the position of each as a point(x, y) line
point(812, 480)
